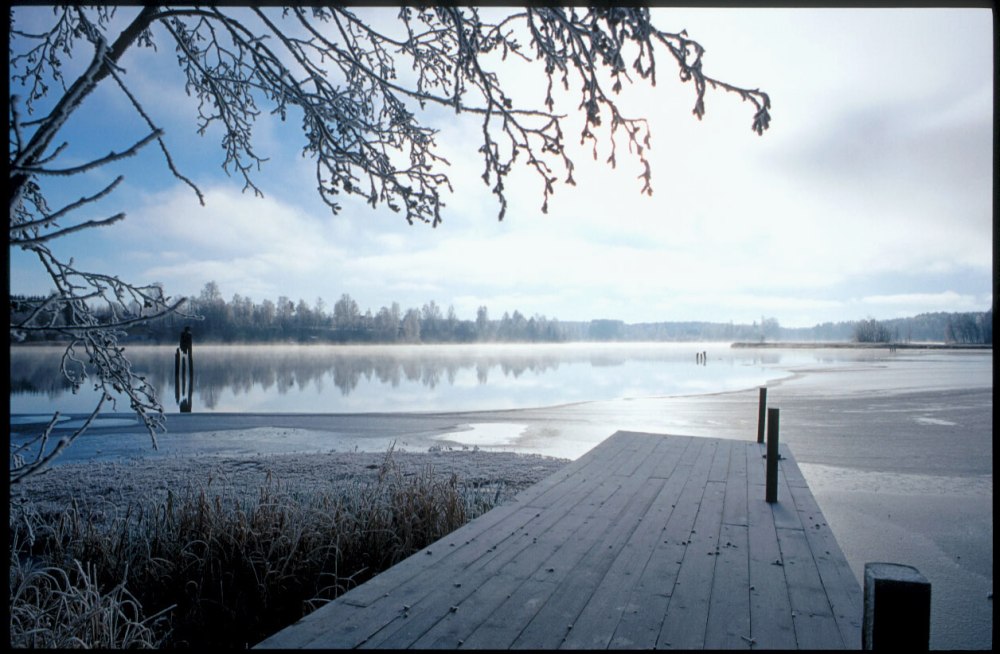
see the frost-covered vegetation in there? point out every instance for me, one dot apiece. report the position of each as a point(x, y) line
point(219, 564)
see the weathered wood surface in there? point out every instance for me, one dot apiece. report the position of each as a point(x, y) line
point(646, 541)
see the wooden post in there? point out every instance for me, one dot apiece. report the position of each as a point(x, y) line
point(897, 612)
point(761, 414)
point(771, 489)
point(190, 386)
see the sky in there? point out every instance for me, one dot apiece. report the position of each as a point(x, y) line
point(871, 195)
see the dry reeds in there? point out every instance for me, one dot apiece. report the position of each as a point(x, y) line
point(215, 565)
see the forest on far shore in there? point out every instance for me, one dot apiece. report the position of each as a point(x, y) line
point(241, 320)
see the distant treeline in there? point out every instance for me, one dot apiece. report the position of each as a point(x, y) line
point(243, 320)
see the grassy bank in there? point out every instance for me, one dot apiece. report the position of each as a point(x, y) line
point(214, 565)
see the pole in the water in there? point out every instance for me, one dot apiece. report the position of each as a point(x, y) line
point(184, 371)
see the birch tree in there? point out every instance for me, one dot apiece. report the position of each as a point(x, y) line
point(359, 92)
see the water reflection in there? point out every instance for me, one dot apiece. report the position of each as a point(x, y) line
point(251, 377)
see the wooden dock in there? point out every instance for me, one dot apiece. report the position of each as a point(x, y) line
point(646, 541)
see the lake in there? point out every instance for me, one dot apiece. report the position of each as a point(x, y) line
point(897, 447)
point(362, 379)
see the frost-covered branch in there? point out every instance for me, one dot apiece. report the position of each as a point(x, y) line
point(357, 79)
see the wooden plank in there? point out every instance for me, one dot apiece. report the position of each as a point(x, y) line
point(812, 616)
point(536, 546)
point(720, 464)
point(513, 598)
point(561, 551)
point(574, 563)
point(793, 475)
point(640, 450)
point(510, 600)
point(557, 618)
point(842, 588)
point(687, 611)
point(600, 461)
point(729, 608)
point(454, 628)
point(643, 616)
point(734, 510)
point(596, 623)
point(693, 453)
point(755, 465)
point(771, 625)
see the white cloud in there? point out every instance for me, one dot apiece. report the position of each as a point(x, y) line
point(954, 301)
point(241, 241)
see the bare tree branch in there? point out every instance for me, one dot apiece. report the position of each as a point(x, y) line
point(358, 90)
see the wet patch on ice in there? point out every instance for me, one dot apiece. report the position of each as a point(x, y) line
point(924, 420)
point(826, 478)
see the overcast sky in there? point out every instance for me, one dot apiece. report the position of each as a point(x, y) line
point(870, 195)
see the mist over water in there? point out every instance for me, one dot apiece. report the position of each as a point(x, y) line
point(362, 379)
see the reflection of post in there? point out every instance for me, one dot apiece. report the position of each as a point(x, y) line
point(177, 375)
point(184, 372)
point(190, 376)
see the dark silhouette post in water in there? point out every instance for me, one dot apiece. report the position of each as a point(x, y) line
point(184, 371)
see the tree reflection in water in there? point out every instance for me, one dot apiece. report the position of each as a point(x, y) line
point(283, 369)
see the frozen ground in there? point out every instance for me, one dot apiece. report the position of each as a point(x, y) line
point(898, 452)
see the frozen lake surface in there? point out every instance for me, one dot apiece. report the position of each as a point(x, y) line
point(897, 447)
point(393, 378)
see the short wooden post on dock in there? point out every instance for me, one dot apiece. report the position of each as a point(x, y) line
point(897, 608)
point(771, 488)
point(761, 414)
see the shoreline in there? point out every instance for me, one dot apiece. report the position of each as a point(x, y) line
point(848, 345)
point(109, 487)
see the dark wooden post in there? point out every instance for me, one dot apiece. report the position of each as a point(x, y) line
point(897, 613)
point(761, 414)
point(771, 489)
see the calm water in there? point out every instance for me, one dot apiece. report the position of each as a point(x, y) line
point(896, 447)
point(349, 379)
